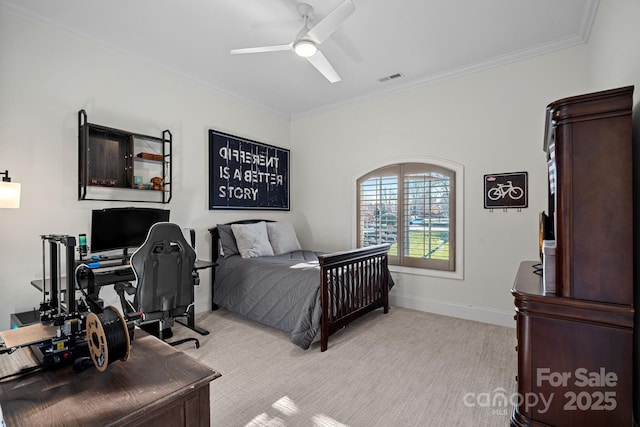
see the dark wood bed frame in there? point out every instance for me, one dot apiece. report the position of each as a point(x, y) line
point(352, 283)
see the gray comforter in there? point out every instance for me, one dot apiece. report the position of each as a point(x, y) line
point(280, 291)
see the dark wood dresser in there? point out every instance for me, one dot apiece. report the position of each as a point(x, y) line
point(575, 346)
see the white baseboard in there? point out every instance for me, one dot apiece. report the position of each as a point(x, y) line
point(478, 314)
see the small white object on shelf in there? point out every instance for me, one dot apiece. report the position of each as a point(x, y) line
point(549, 266)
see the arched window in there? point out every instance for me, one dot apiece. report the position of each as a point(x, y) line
point(411, 206)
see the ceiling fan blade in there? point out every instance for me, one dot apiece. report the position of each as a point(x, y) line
point(263, 49)
point(320, 62)
point(323, 29)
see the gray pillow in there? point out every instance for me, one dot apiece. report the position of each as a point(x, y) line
point(252, 240)
point(227, 241)
point(282, 237)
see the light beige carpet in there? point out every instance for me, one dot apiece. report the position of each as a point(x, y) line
point(405, 368)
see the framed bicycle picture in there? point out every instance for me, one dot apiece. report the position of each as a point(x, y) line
point(506, 190)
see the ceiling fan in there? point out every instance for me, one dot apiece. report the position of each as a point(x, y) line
point(307, 40)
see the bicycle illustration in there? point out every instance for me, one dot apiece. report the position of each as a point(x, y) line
point(501, 191)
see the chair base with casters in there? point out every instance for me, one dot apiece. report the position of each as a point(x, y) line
point(160, 328)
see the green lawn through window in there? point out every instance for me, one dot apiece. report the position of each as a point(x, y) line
point(419, 245)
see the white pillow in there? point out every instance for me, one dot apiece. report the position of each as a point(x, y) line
point(252, 240)
point(282, 237)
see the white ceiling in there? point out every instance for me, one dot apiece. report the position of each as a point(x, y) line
point(425, 40)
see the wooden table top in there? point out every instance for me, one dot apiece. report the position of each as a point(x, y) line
point(154, 375)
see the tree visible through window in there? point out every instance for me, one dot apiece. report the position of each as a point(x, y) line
point(411, 206)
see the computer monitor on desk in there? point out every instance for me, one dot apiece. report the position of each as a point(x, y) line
point(122, 228)
point(117, 229)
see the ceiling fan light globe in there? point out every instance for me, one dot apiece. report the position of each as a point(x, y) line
point(305, 48)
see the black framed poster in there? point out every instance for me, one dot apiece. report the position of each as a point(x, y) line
point(506, 190)
point(246, 174)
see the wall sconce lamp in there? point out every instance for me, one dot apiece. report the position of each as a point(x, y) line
point(9, 192)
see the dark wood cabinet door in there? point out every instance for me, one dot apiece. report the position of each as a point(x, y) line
point(594, 200)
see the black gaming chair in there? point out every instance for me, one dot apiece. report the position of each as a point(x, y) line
point(163, 268)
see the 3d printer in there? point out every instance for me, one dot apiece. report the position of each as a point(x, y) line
point(71, 330)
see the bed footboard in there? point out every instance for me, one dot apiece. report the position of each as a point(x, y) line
point(352, 283)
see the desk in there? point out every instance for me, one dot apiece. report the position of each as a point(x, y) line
point(109, 276)
point(157, 385)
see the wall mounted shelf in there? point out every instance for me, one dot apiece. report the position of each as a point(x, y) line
point(118, 165)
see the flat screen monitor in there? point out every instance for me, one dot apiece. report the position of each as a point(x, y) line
point(122, 228)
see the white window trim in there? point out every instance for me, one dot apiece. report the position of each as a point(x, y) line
point(458, 274)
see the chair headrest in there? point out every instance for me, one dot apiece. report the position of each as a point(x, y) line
point(164, 237)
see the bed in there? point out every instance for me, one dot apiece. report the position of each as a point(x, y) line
point(298, 291)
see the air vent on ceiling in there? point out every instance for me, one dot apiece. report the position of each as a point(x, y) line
point(391, 77)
